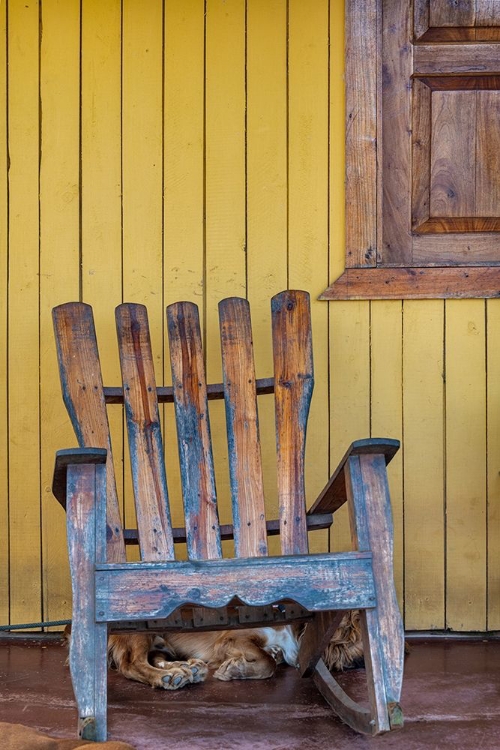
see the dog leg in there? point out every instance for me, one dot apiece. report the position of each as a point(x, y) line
point(345, 649)
point(245, 661)
point(130, 653)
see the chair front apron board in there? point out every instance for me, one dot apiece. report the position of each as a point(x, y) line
point(161, 593)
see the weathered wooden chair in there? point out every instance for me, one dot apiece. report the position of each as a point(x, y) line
point(110, 594)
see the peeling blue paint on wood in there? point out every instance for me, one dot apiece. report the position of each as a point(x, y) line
point(144, 432)
point(193, 432)
point(242, 422)
point(294, 382)
point(316, 582)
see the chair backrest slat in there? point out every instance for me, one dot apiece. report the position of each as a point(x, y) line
point(294, 379)
point(245, 463)
point(193, 432)
point(83, 394)
point(144, 433)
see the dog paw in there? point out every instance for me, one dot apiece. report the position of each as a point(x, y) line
point(239, 668)
point(177, 674)
point(231, 669)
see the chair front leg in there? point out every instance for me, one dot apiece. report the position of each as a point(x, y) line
point(383, 635)
point(88, 647)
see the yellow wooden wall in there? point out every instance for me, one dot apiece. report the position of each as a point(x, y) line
point(154, 151)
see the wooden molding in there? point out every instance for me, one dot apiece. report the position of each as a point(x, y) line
point(415, 283)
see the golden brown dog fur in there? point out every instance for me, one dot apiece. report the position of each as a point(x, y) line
point(176, 659)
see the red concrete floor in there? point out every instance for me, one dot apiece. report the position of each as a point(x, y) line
point(451, 699)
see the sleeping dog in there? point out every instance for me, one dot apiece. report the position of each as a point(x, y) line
point(176, 659)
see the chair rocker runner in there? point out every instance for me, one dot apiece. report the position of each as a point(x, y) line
point(162, 593)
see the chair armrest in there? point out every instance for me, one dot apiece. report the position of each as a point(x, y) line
point(333, 496)
point(71, 457)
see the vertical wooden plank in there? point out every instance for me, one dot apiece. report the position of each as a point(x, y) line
point(225, 164)
point(193, 432)
point(421, 153)
point(183, 150)
point(88, 649)
point(453, 131)
point(144, 434)
point(83, 394)
point(465, 465)
point(4, 453)
point(142, 90)
point(338, 240)
point(493, 458)
point(487, 176)
point(23, 323)
point(396, 134)
point(387, 409)
point(308, 112)
point(101, 188)
point(267, 256)
point(101, 170)
point(183, 203)
point(245, 462)
point(372, 528)
point(142, 172)
point(59, 266)
point(293, 386)
point(350, 391)
point(361, 43)
point(423, 445)
point(337, 114)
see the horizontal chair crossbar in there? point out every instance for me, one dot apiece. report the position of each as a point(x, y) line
point(314, 523)
point(236, 616)
point(165, 394)
point(316, 582)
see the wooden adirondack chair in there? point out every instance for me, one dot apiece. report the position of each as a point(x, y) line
point(112, 595)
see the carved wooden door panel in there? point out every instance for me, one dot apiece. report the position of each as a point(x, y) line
point(440, 123)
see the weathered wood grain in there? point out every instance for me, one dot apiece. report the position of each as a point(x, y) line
point(316, 638)
point(88, 639)
point(420, 18)
point(457, 59)
point(361, 44)
point(144, 433)
point(444, 13)
point(316, 582)
point(452, 174)
point(461, 34)
point(487, 175)
point(72, 456)
point(453, 249)
point(421, 154)
point(165, 394)
point(415, 283)
point(245, 462)
point(294, 381)
point(487, 13)
point(356, 716)
point(371, 528)
point(81, 382)
point(396, 135)
point(193, 432)
point(315, 522)
point(454, 224)
point(334, 495)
